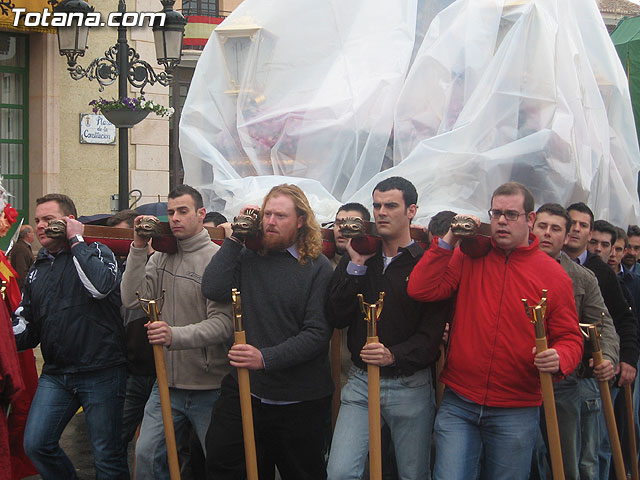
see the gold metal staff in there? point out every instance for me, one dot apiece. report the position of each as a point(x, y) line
point(152, 309)
point(536, 313)
point(607, 405)
point(244, 387)
point(372, 312)
point(3, 288)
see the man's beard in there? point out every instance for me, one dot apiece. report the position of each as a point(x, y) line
point(278, 242)
point(629, 261)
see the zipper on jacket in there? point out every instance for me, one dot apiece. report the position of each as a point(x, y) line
point(504, 281)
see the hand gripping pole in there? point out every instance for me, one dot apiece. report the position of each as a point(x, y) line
point(536, 313)
point(372, 312)
point(244, 387)
point(152, 309)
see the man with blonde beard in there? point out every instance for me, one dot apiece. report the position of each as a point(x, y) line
point(283, 289)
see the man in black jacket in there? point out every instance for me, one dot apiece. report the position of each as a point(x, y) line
point(623, 318)
point(70, 306)
point(409, 337)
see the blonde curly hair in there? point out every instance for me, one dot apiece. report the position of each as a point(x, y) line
point(309, 240)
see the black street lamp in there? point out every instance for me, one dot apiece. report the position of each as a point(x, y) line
point(123, 63)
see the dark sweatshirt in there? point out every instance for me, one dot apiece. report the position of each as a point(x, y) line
point(283, 315)
point(410, 329)
point(622, 315)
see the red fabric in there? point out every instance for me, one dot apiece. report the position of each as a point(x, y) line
point(11, 383)
point(22, 367)
point(5, 459)
point(489, 360)
point(366, 245)
point(21, 466)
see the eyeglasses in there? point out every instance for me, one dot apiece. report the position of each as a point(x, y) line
point(510, 215)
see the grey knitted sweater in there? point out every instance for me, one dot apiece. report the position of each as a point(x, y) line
point(283, 314)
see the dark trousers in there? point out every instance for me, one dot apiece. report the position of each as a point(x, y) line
point(290, 437)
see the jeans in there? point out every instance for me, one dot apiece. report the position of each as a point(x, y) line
point(590, 411)
point(604, 453)
point(192, 406)
point(289, 437)
point(138, 391)
point(407, 406)
point(569, 425)
point(466, 430)
point(100, 393)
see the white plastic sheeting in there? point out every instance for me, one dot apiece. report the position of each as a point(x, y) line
point(458, 97)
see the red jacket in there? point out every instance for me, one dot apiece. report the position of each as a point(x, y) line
point(489, 360)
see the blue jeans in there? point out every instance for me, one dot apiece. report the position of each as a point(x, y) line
point(192, 406)
point(590, 411)
point(100, 393)
point(569, 425)
point(466, 430)
point(138, 390)
point(407, 406)
point(604, 453)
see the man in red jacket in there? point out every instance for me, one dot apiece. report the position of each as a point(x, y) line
point(492, 369)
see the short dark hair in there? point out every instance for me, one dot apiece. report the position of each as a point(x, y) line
point(515, 188)
point(605, 227)
point(441, 222)
point(582, 208)
point(557, 210)
point(409, 193)
point(621, 234)
point(357, 207)
point(633, 231)
point(215, 217)
point(122, 216)
point(185, 189)
point(64, 202)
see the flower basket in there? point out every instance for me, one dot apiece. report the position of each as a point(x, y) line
point(127, 112)
point(124, 117)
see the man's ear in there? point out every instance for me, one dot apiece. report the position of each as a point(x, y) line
point(412, 210)
point(531, 219)
point(201, 213)
point(71, 216)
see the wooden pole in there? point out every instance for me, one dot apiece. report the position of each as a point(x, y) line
point(631, 431)
point(372, 312)
point(165, 400)
point(536, 314)
point(607, 407)
point(336, 375)
point(375, 442)
point(244, 388)
point(551, 417)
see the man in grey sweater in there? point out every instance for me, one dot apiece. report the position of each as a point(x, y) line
point(283, 288)
point(195, 331)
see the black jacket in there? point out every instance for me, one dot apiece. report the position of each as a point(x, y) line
point(411, 330)
point(71, 307)
point(623, 318)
